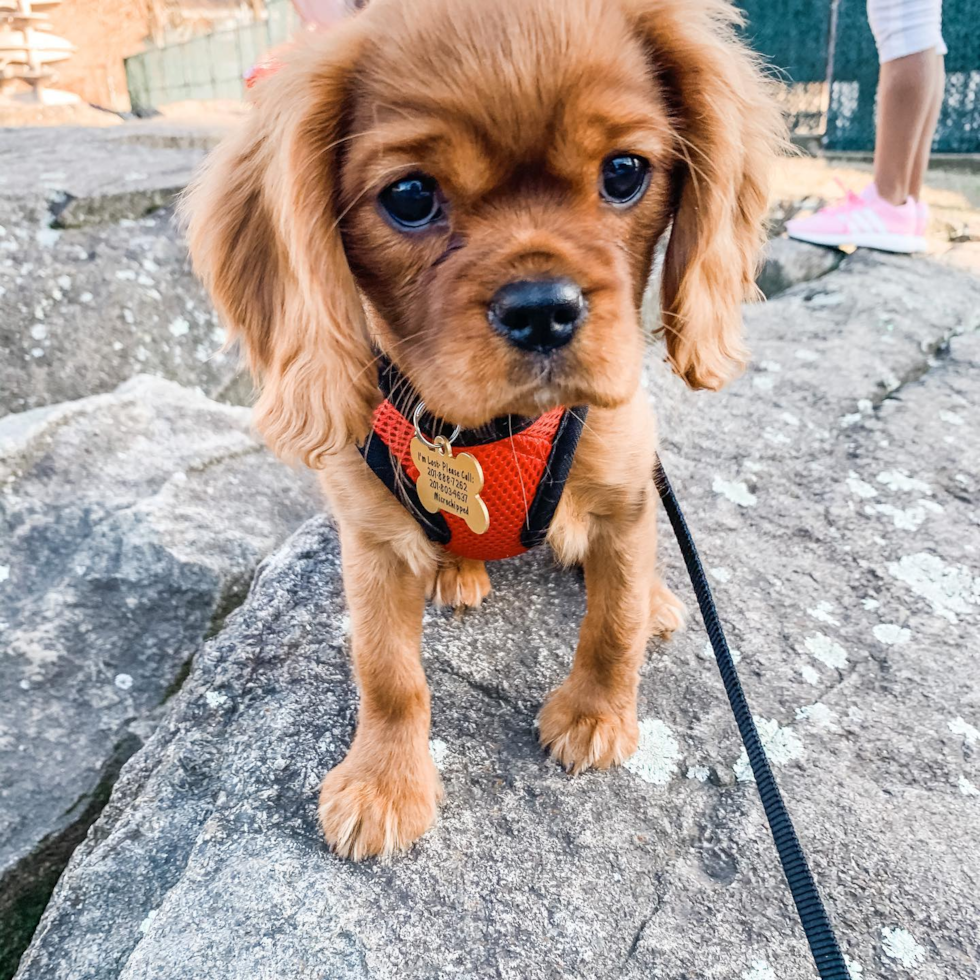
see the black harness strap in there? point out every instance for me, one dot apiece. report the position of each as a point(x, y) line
point(531, 528)
point(816, 924)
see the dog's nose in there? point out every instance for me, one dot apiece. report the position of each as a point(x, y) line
point(538, 314)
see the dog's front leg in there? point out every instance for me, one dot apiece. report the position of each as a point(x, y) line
point(383, 796)
point(591, 719)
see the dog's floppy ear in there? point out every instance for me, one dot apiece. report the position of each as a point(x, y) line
point(262, 226)
point(728, 131)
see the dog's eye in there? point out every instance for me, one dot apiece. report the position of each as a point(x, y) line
point(413, 201)
point(624, 178)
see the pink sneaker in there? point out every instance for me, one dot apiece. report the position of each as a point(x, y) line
point(864, 220)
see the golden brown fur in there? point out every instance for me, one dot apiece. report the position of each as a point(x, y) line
point(511, 105)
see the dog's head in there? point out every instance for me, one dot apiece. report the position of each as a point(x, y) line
point(476, 189)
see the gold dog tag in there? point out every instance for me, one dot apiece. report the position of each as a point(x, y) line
point(450, 483)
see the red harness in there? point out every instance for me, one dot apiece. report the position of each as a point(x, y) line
point(525, 464)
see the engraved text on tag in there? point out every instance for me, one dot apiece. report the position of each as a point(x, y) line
point(450, 483)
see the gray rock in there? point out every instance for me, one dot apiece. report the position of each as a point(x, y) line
point(95, 283)
point(99, 174)
point(789, 262)
point(826, 541)
point(130, 524)
point(85, 309)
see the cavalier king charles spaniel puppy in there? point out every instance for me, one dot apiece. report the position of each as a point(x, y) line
point(466, 195)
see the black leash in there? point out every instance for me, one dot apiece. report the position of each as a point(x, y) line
point(816, 924)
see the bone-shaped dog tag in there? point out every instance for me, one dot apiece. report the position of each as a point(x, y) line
point(450, 483)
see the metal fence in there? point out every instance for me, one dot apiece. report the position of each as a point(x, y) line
point(209, 66)
point(825, 54)
point(822, 51)
point(850, 119)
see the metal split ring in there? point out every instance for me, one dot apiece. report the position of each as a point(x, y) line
point(417, 414)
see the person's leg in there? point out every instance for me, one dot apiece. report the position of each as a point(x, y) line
point(887, 214)
point(920, 159)
point(907, 108)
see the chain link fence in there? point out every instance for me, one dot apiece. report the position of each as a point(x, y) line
point(854, 76)
point(821, 50)
point(793, 37)
point(824, 53)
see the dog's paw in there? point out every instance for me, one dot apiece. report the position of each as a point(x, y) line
point(579, 738)
point(463, 584)
point(667, 612)
point(366, 814)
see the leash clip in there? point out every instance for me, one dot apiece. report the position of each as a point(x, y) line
point(442, 445)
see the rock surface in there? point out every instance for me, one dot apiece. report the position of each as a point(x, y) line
point(789, 262)
point(85, 309)
point(95, 283)
point(834, 495)
point(130, 523)
point(100, 174)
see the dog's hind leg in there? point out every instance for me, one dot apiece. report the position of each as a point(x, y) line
point(667, 612)
point(591, 719)
point(459, 582)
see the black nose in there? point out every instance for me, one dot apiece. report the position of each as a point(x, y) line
point(539, 314)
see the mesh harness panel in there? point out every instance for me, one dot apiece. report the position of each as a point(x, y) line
point(525, 465)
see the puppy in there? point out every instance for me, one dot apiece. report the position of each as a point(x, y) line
point(391, 180)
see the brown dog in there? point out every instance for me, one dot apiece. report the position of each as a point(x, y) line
point(390, 180)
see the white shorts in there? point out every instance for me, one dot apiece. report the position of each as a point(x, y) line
point(904, 27)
